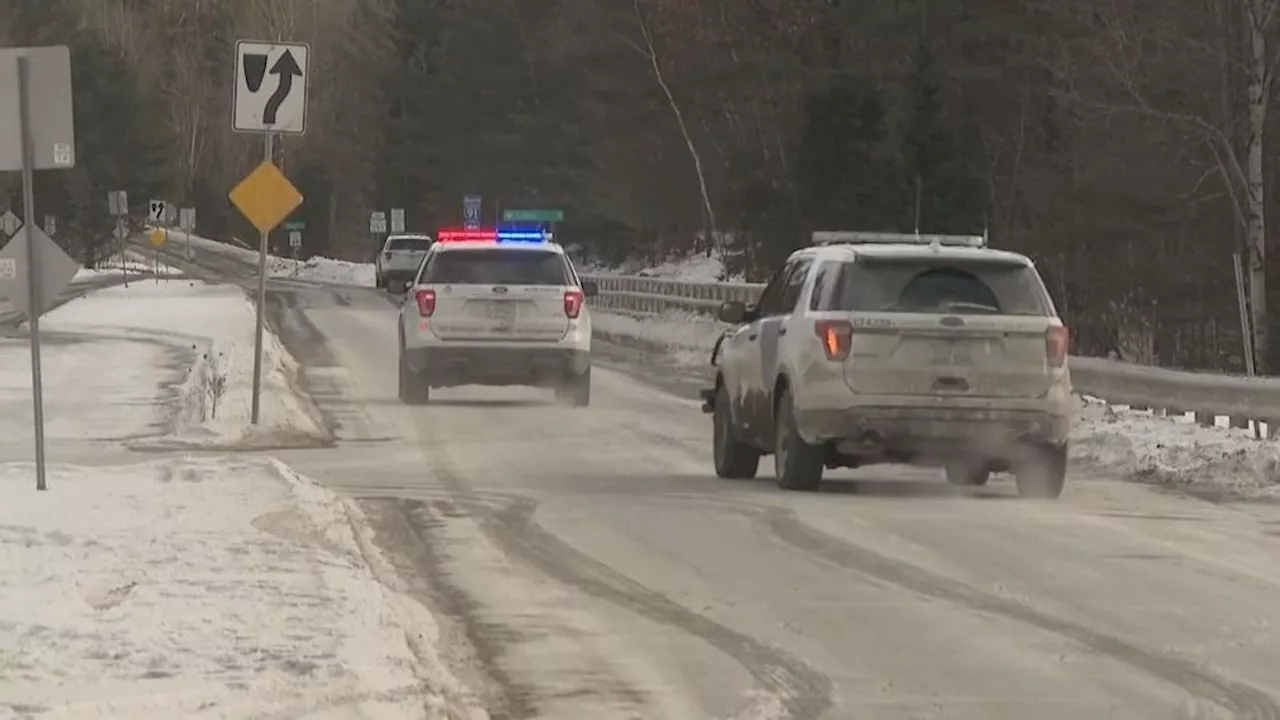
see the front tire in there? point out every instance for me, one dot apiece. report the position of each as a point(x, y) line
point(413, 391)
point(734, 459)
point(797, 463)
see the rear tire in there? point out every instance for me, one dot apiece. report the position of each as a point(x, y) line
point(798, 464)
point(413, 391)
point(1041, 472)
point(734, 459)
point(966, 473)
point(577, 392)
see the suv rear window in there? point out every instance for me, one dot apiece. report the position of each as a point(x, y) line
point(408, 243)
point(928, 285)
point(496, 267)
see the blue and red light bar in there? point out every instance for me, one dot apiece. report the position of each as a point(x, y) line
point(504, 234)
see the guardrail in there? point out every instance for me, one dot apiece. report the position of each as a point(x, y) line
point(1168, 392)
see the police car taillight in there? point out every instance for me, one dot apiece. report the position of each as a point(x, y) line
point(426, 300)
point(573, 301)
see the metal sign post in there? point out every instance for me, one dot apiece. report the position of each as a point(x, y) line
point(44, 139)
point(187, 223)
point(266, 196)
point(118, 207)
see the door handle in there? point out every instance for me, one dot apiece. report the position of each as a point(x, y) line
point(751, 336)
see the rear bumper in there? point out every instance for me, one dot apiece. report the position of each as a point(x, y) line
point(915, 432)
point(506, 365)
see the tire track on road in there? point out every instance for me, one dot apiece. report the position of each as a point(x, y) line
point(804, 692)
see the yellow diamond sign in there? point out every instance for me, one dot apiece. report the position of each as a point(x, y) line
point(159, 237)
point(266, 197)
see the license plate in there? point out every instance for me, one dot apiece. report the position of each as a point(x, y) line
point(952, 352)
point(503, 312)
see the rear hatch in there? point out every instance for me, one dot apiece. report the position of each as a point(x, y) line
point(970, 327)
point(509, 294)
point(404, 253)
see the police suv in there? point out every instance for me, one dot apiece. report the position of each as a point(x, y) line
point(496, 307)
point(872, 348)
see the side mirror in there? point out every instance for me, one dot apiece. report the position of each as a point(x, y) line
point(733, 312)
point(399, 287)
point(590, 288)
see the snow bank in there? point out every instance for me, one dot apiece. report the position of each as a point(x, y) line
point(323, 270)
point(1175, 451)
point(214, 325)
point(133, 263)
point(196, 588)
point(316, 269)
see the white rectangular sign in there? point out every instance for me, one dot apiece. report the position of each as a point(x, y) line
point(397, 220)
point(187, 219)
point(295, 239)
point(378, 222)
point(157, 212)
point(8, 268)
point(118, 203)
point(271, 87)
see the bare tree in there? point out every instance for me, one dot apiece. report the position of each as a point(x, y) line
point(1169, 69)
point(649, 52)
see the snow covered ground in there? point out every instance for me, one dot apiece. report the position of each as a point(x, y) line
point(207, 587)
point(202, 339)
point(134, 262)
point(700, 267)
point(210, 586)
point(316, 269)
point(323, 270)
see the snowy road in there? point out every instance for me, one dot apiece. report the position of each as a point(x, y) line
point(599, 569)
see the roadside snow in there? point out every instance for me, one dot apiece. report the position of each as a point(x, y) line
point(208, 587)
point(323, 270)
point(697, 267)
point(134, 264)
point(212, 328)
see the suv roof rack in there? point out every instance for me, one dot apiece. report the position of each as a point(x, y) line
point(850, 237)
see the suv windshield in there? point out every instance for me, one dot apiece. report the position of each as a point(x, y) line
point(929, 285)
point(408, 243)
point(496, 267)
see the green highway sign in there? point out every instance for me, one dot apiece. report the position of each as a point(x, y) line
point(295, 225)
point(533, 216)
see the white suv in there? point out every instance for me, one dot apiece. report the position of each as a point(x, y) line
point(497, 308)
point(882, 348)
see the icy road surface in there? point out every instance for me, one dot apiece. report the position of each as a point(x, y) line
point(599, 570)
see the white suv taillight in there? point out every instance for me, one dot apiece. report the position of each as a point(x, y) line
point(1056, 340)
point(426, 300)
point(836, 337)
point(573, 300)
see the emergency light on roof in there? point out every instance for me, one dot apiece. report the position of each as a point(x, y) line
point(493, 235)
point(848, 237)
